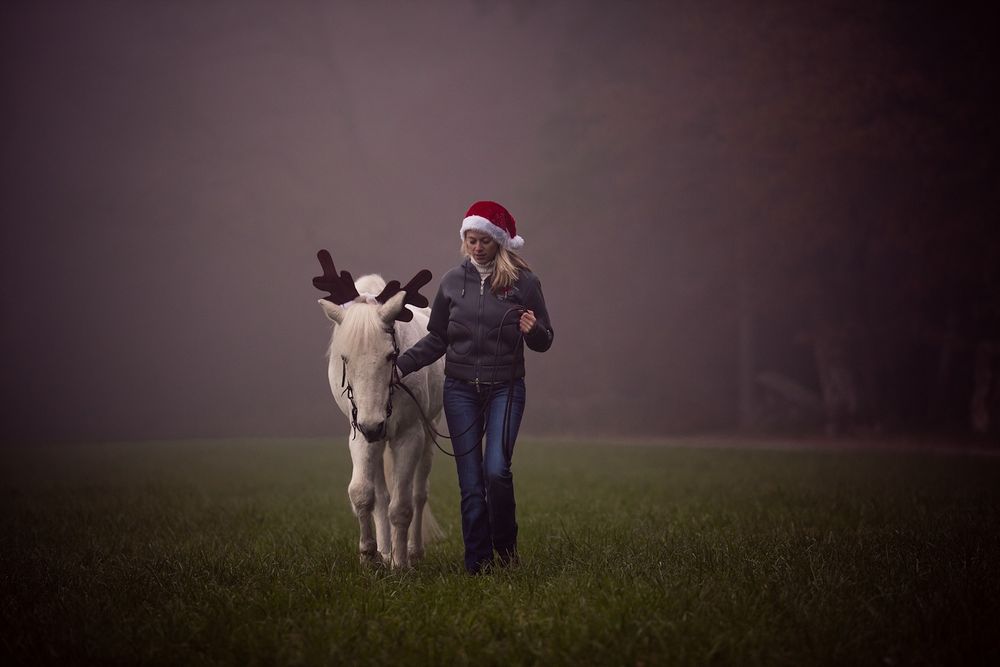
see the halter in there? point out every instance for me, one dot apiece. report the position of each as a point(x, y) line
point(349, 390)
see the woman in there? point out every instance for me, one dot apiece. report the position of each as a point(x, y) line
point(482, 309)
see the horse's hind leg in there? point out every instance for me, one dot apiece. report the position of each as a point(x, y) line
point(421, 488)
point(362, 494)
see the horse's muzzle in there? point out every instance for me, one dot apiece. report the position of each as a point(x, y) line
point(373, 432)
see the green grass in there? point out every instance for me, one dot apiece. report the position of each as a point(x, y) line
point(244, 552)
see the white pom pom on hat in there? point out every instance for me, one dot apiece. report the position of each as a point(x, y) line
point(491, 218)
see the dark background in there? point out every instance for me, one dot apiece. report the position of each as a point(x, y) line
point(777, 216)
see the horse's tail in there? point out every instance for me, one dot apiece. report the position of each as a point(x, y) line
point(432, 529)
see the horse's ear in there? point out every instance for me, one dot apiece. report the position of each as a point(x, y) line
point(332, 310)
point(389, 310)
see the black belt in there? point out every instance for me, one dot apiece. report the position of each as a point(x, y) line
point(478, 383)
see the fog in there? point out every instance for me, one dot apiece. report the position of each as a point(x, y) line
point(708, 193)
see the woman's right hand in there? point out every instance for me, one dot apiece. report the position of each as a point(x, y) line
point(527, 321)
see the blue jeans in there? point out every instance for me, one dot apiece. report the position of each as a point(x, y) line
point(484, 477)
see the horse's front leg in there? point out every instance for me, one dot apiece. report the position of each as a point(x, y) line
point(381, 513)
point(405, 454)
point(366, 458)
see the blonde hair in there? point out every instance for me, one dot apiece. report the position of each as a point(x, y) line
point(507, 268)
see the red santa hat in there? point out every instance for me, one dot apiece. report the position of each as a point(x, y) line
point(491, 218)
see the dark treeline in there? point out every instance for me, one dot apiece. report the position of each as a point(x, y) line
point(874, 246)
point(838, 179)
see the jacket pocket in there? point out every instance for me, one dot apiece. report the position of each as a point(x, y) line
point(459, 339)
point(508, 338)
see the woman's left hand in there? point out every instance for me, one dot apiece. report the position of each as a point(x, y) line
point(527, 322)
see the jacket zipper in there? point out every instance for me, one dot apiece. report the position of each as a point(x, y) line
point(479, 319)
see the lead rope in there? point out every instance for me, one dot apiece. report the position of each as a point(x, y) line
point(507, 446)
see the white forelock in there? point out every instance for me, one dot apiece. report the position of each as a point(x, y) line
point(368, 287)
point(372, 283)
point(362, 297)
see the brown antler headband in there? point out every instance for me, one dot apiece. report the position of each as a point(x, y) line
point(342, 290)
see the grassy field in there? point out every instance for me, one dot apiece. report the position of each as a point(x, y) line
point(243, 552)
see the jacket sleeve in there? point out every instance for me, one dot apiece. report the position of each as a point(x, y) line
point(540, 338)
point(428, 349)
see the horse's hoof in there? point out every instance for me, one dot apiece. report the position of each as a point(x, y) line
point(415, 555)
point(370, 558)
point(401, 564)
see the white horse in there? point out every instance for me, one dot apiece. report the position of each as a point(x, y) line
point(391, 454)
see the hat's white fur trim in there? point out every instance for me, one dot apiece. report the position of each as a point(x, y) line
point(481, 224)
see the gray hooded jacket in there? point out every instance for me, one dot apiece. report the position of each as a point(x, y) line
point(465, 323)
